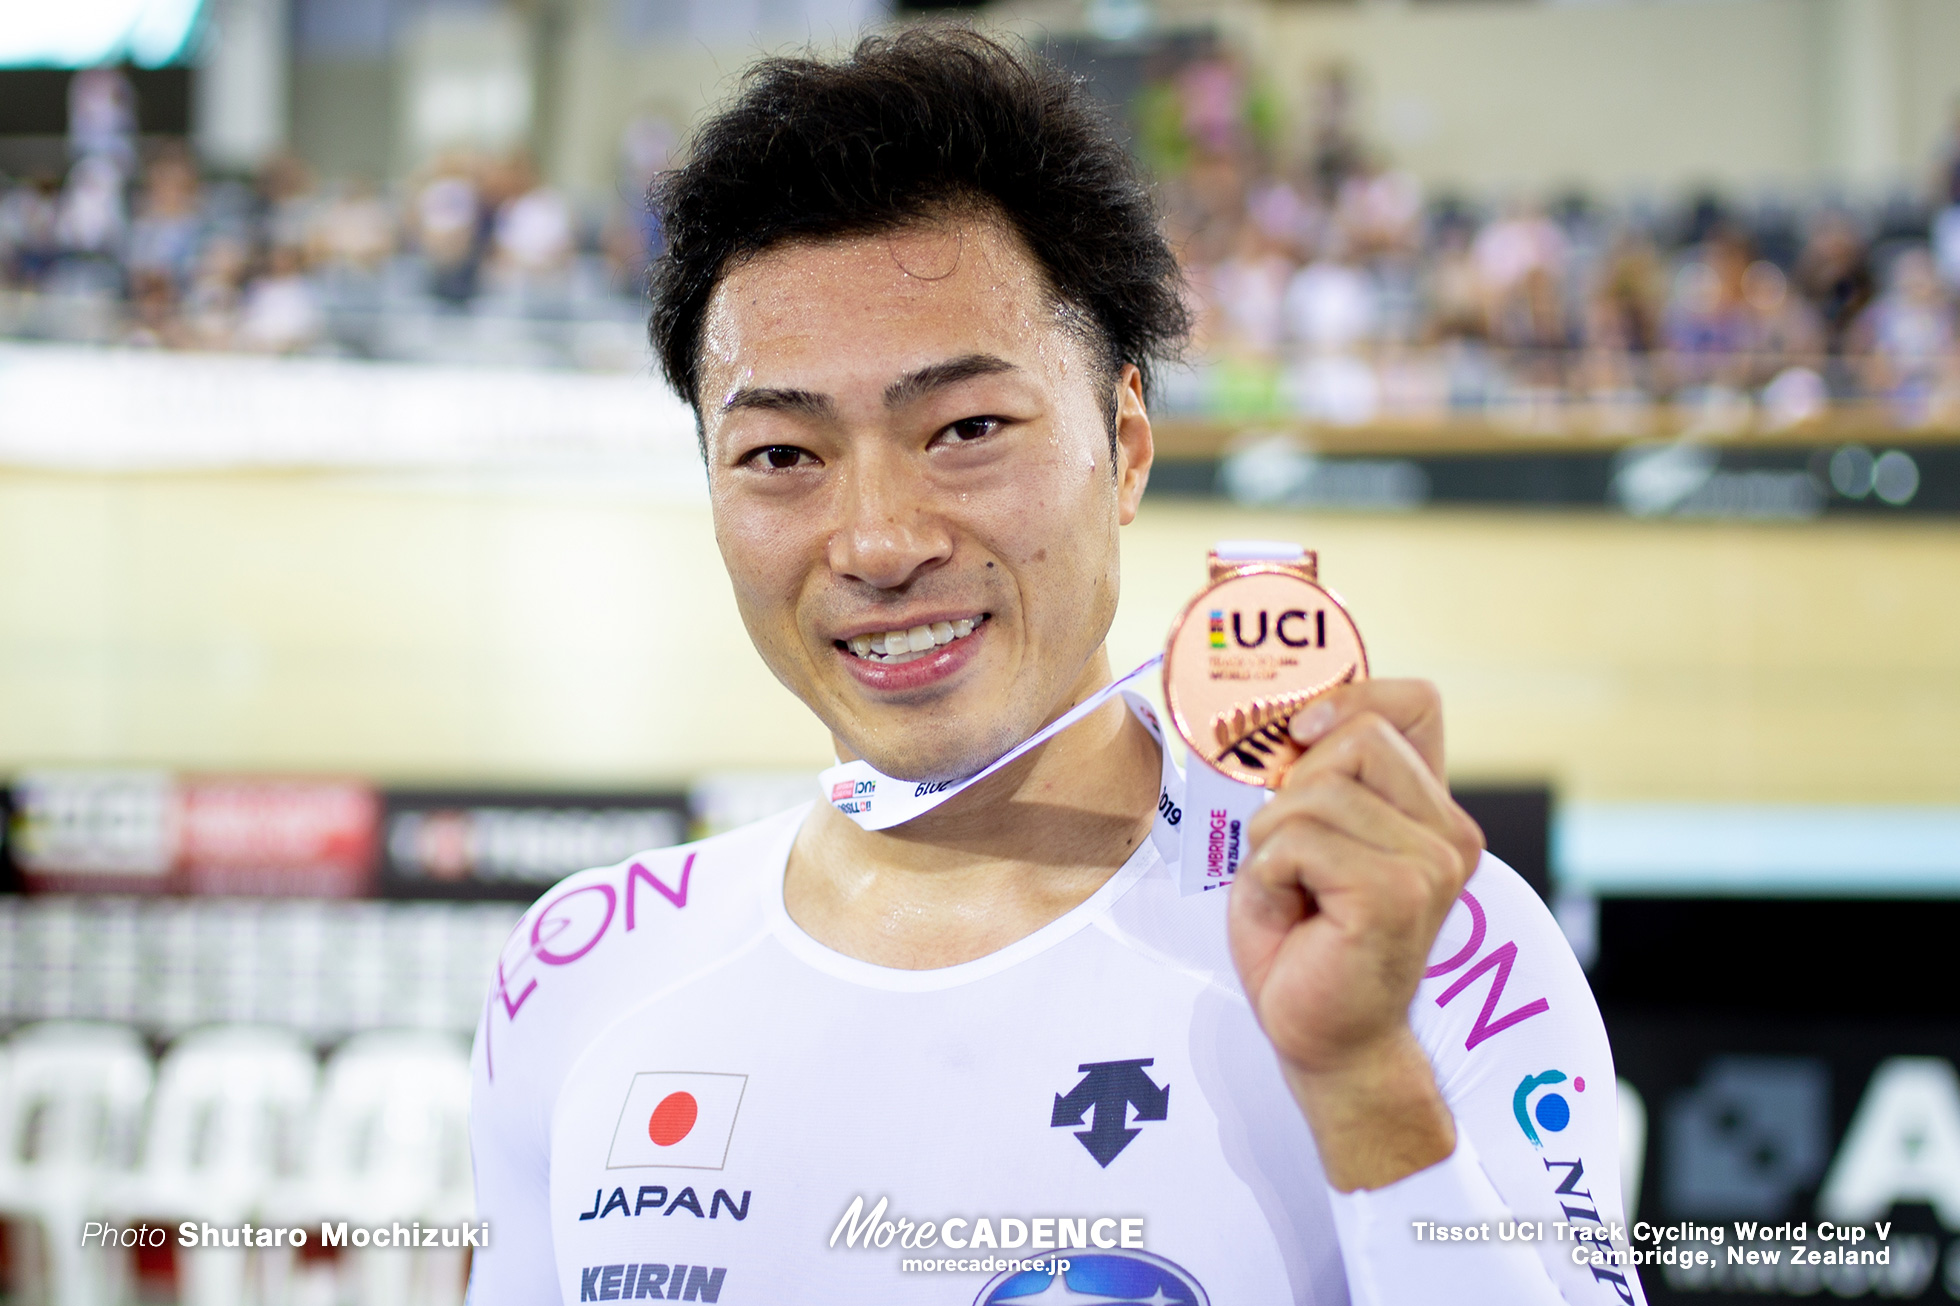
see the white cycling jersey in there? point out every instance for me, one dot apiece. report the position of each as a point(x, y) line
point(680, 1096)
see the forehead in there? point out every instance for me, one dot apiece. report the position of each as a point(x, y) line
point(815, 313)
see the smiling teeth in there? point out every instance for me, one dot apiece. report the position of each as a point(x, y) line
point(905, 645)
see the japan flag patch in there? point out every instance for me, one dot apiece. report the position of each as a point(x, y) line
point(680, 1118)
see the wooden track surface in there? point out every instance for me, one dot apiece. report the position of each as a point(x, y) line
point(406, 629)
point(1580, 430)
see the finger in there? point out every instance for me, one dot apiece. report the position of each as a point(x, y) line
point(1328, 870)
point(1413, 707)
point(1271, 900)
point(1342, 803)
point(1369, 749)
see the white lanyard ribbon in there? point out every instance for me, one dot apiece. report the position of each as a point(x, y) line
point(877, 801)
point(1216, 810)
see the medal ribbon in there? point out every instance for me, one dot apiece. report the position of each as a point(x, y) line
point(877, 801)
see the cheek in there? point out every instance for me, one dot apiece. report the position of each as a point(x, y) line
point(764, 554)
point(1061, 532)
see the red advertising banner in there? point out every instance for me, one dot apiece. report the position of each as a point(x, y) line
point(278, 838)
point(152, 832)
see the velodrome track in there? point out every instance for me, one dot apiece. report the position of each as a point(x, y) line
point(462, 626)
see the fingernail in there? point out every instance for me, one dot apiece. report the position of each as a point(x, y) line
point(1313, 723)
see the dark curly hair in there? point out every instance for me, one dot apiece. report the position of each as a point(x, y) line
point(909, 128)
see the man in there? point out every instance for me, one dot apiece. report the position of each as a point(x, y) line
point(913, 297)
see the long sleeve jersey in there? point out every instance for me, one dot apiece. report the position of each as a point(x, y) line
point(681, 1096)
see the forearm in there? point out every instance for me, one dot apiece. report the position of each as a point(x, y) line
point(1378, 1116)
point(1437, 1236)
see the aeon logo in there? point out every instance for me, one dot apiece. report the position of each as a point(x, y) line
point(1496, 964)
point(566, 929)
point(1550, 1110)
point(1293, 628)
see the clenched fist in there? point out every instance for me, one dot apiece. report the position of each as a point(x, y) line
point(1354, 864)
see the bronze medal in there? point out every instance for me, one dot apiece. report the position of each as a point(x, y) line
point(1256, 645)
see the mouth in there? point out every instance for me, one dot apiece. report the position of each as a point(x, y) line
point(895, 647)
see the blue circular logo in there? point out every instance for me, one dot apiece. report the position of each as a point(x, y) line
point(1132, 1278)
point(1552, 1111)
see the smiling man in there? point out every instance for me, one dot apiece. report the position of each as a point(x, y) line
point(989, 1053)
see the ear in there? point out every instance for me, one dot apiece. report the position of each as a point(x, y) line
point(1136, 448)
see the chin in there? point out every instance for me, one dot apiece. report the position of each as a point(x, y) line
point(926, 763)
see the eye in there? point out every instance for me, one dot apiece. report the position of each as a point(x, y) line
point(969, 429)
point(778, 457)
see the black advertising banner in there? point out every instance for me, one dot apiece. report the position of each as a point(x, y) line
point(1517, 824)
point(1803, 1158)
point(1795, 1066)
point(451, 843)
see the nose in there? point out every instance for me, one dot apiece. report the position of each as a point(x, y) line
point(889, 531)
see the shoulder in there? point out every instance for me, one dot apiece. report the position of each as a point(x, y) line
point(670, 901)
point(600, 940)
point(1500, 973)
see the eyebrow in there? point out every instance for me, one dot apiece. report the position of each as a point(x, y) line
point(910, 387)
point(935, 376)
point(807, 403)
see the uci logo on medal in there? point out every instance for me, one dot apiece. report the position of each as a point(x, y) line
point(1295, 628)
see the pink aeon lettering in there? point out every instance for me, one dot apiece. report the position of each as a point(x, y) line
point(560, 925)
point(637, 872)
point(1500, 959)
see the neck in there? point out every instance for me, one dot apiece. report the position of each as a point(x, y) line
point(995, 862)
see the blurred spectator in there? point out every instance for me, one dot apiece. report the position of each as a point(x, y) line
point(30, 241)
point(1455, 289)
point(450, 225)
point(1946, 210)
point(287, 201)
point(1323, 284)
point(1331, 306)
point(354, 231)
point(102, 117)
point(1295, 223)
point(1381, 211)
point(282, 309)
point(1782, 330)
point(1337, 148)
point(1250, 287)
point(1709, 328)
point(153, 320)
point(1834, 274)
point(631, 237)
point(533, 238)
point(1509, 249)
point(1630, 296)
point(92, 217)
point(1906, 337)
point(167, 230)
point(212, 306)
